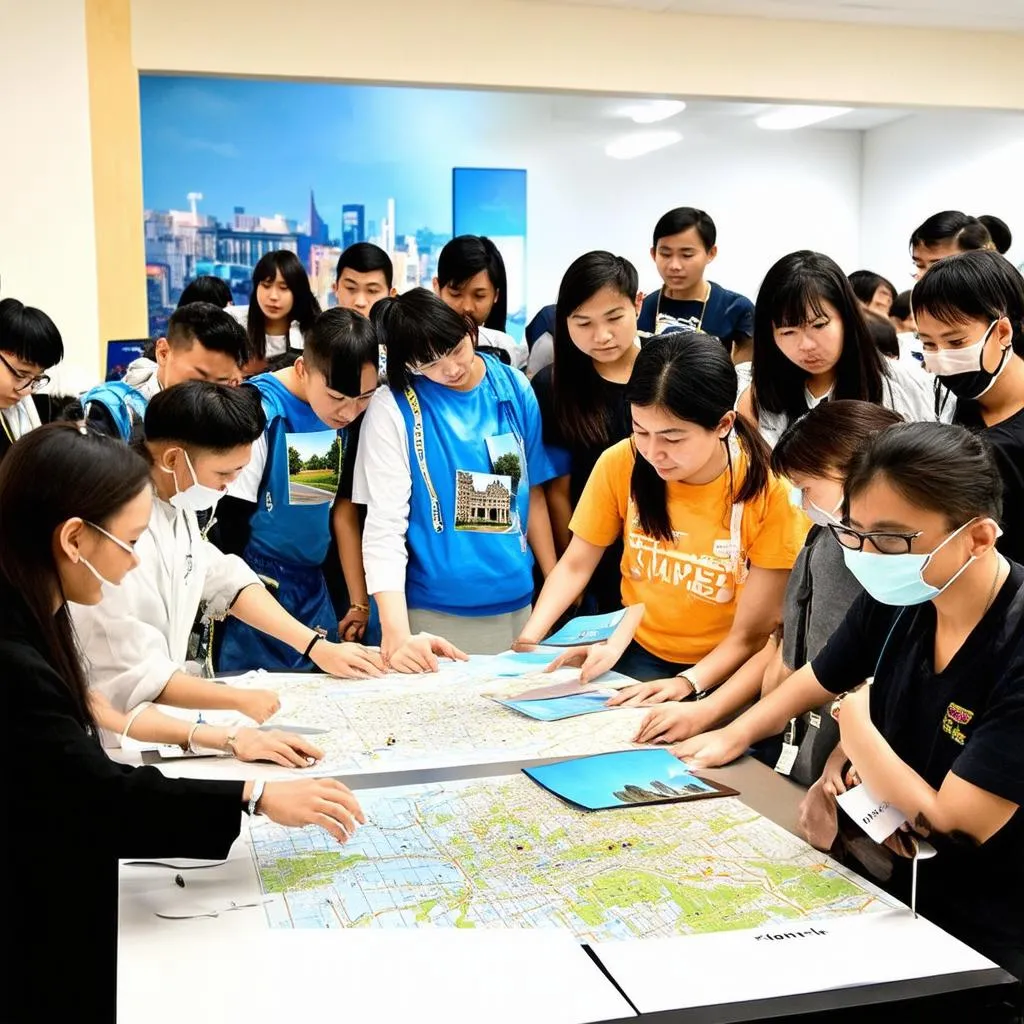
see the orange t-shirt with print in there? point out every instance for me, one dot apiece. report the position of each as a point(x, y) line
point(690, 586)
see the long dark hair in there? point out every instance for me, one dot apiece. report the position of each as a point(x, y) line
point(689, 375)
point(791, 295)
point(581, 420)
point(969, 233)
point(305, 308)
point(979, 285)
point(54, 474)
point(464, 257)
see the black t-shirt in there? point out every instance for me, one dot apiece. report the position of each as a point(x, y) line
point(968, 719)
point(728, 315)
point(579, 459)
point(1007, 441)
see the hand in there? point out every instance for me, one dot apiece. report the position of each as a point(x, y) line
point(353, 626)
point(832, 782)
point(420, 653)
point(674, 722)
point(324, 802)
point(710, 749)
point(348, 661)
point(594, 660)
point(283, 748)
point(656, 692)
point(819, 817)
point(259, 705)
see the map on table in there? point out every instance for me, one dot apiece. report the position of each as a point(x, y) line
point(502, 852)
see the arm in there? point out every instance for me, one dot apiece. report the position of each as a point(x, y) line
point(560, 510)
point(566, 582)
point(538, 531)
point(957, 806)
point(776, 671)
point(745, 405)
point(349, 535)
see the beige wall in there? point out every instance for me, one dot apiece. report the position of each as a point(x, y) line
point(517, 44)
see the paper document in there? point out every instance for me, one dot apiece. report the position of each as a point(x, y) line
point(586, 629)
point(877, 818)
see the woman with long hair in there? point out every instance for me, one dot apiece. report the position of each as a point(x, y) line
point(951, 231)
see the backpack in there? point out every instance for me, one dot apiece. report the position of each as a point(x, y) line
point(126, 406)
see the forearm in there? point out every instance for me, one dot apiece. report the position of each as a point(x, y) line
point(560, 511)
point(151, 725)
point(350, 549)
point(394, 617)
point(538, 532)
point(768, 717)
point(741, 689)
point(735, 651)
point(564, 584)
point(185, 691)
point(255, 607)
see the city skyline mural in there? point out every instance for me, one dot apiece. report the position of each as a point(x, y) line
point(235, 168)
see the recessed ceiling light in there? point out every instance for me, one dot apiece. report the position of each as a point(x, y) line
point(655, 110)
point(637, 144)
point(788, 118)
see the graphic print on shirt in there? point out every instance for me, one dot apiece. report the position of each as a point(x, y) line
point(711, 577)
point(483, 503)
point(665, 322)
point(314, 466)
point(955, 717)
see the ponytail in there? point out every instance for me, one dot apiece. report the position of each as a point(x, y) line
point(759, 456)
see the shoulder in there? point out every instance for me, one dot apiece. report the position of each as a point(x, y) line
point(908, 390)
point(651, 300)
point(732, 300)
point(543, 381)
point(382, 414)
point(29, 679)
point(616, 461)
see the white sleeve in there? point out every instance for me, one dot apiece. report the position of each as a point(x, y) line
point(542, 354)
point(226, 576)
point(518, 351)
point(247, 484)
point(910, 392)
point(383, 483)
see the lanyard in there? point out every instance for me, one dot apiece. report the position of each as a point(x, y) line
point(703, 310)
point(421, 457)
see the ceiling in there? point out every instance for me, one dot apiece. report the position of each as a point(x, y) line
point(979, 15)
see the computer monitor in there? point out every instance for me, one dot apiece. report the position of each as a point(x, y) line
point(121, 353)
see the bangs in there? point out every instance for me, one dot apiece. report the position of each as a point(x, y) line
point(798, 300)
point(947, 312)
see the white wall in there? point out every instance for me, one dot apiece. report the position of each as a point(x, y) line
point(47, 233)
point(969, 161)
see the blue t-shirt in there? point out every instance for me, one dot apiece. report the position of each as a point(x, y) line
point(467, 546)
point(293, 508)
point(729, 316)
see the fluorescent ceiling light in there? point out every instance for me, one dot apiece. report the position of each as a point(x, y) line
point(655, 110)
point(640, 143)
point(787, 118)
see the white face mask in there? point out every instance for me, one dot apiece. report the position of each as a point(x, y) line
point(961, 369)
point(120, 543)
point(817, 515)
point(198, 498)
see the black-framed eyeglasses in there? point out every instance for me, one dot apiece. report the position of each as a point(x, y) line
point(24, 381)
point(884, 542)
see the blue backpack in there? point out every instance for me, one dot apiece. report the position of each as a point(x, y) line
point(126, 406)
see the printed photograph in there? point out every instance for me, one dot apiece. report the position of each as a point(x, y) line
point(483, 503)
point(314, 462)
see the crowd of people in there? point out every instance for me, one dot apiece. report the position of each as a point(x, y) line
point(817, 497)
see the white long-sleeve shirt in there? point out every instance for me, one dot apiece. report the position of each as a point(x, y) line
point(136, 638)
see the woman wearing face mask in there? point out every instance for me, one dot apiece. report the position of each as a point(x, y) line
point(135, 640)
point(70, 500)
point(940, 732)
point(970, 311)
point(814, 455)
point(811, 345)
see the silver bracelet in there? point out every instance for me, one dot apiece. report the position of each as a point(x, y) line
point(189, 749)
point(254, 799)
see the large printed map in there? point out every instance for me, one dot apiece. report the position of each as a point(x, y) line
point(502, 852)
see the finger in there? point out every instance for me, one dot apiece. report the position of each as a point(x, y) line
point(291, 757)
point(647, 726)
point(302, 745)
point(330, 825)
point(448, 650)
point(335, 808)
point(560, 661)
point(334, 791)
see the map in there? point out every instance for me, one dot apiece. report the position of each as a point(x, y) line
point(502, 852)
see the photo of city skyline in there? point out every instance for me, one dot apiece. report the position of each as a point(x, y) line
point(235, 168)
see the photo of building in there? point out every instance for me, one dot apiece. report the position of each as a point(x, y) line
point(482, 502)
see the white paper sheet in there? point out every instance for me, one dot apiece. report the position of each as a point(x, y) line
point(877, 818)
point(784, 960)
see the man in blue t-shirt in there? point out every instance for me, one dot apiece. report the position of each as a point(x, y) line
point(684, 244)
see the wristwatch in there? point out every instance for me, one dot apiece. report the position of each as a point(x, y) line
point(698, 693)
point(834, 709)
point(255, 797)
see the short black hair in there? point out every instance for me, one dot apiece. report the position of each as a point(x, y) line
point(212, 327)
point(967, 232)
point(365, 258)
point(201, 414)
point(206, 289)
point(681, 219)
point(866, 282)
point(883, 333)
point(463, 258)
point(901, 306)
point(338, 345)
point(417, 328)
point(29, 334)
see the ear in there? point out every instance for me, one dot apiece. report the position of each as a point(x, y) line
point(1003, 332)
point(639, 302)
point(163, 350)
point(435, 285)
point(712, 253)
point(725, 424)
point(983, 535)
point(652, 252)
point(394, 291)
point(300, 368)
point(68, 538)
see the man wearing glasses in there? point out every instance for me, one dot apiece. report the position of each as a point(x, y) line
point(29, 344)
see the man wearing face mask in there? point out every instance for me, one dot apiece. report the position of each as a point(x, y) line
point(199, 437)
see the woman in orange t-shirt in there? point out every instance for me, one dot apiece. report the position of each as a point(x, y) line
point(710, 535)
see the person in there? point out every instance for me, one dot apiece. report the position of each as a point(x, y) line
point(29, 345)
point(970, 315)
point(540, 339)
point(207, 288)
point(364, 277)
point(873, 291)
point(471, 279)
point(73, 501)
point(203, 342)
point(451, 469)
point(708, 531)
point(685, 242)
point(199, 437)
point(939, 734)
point(582, 396)
point(814, 455)
point(883, 334)
point(282, 308)
point(901, 316)
point(951, 231)
point(811, 344)
point(277, 513)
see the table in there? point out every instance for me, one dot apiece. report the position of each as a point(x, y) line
point(568, 983)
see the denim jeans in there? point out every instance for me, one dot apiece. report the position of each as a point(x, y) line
point(641, 665)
